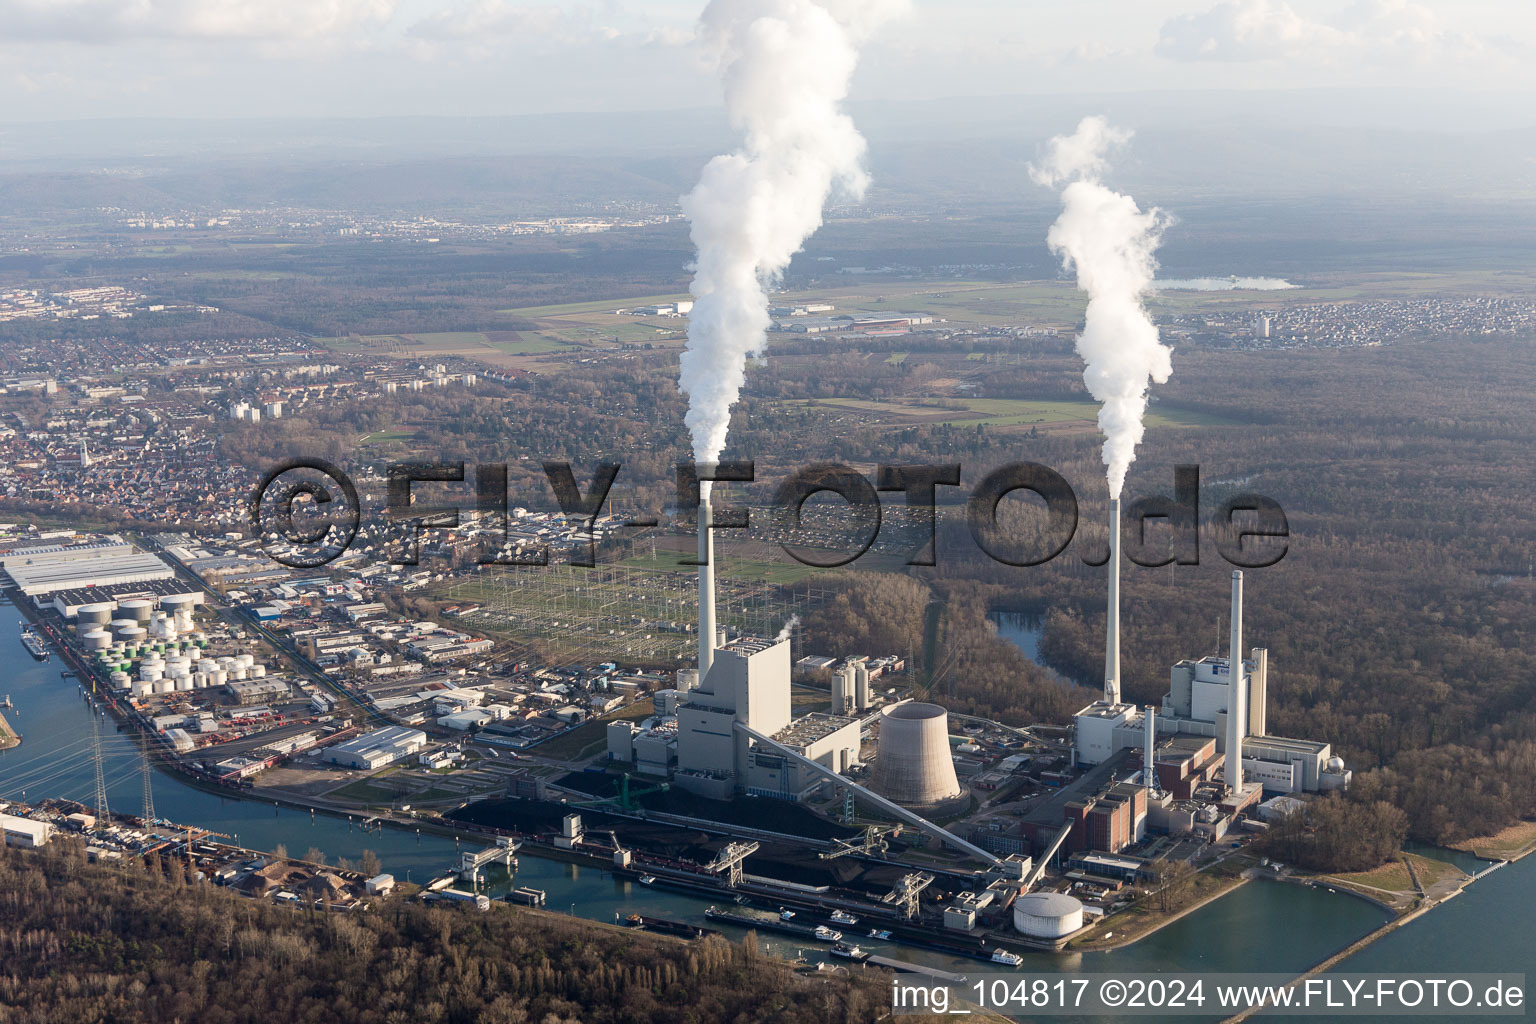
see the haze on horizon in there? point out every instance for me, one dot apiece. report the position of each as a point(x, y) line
point(89, 59)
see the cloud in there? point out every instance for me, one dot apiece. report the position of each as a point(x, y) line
point(101, 21)
point(1258, 30)
point(544, 23)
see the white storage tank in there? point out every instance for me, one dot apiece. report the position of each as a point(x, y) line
point(183, 682)
point(165, 686)
point(1047, 915)
point(238, 672)
point(120, 680)
point(245, 660)
point(139, 687)
point(120, 626)
point(132, 636)
point(97, 640)
point(218, 677)
point(257, 671)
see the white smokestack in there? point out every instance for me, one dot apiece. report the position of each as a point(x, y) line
point(706, 582)
point(1148, 775)
point(785, 65)
point(1112, 616)
point(1236, 710)
point(1109, 241)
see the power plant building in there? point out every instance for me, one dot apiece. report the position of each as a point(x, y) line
point(748, 681)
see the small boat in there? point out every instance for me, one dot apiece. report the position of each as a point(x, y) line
point(633, 921)
point(880, 933)
point(786, 915)
point(1002, 956)
point(843, 917)
point(851, 952)
point(647, 879)
point(826, 934)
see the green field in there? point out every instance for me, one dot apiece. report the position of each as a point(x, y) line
point(387, 436)
point(1012, 412)
point(599, 306)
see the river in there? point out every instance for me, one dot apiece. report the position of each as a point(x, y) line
point(1234, 933)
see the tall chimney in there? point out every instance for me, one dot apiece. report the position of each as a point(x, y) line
point(1112, 628)
point(1237, 712)
point(707, 636)
point(1148, 776)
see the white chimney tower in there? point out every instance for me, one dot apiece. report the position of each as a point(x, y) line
point(1237, 711)
point(1148, 774)
point(1112, 628)
point(707, 636)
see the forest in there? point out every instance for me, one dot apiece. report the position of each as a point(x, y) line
point(144, 941)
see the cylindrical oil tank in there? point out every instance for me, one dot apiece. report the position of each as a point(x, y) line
point(131, 635)
point(120, 626)
point(97, 640)
point(915, 767)
point(120, 681)
point(217, 677)
point(165, 686)
point(92, 616)
point(1047, 915)
point(199, 680)
point(238, 672)
point(257, 671)
point(135, 608)
point(183, 682)
point(245, 660)
point(171, 602)
point(139, 687)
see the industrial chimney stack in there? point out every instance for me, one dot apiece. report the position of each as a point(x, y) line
point(707, 636)
point(1148, 775)
point(1237, 712)
point(1112, 629)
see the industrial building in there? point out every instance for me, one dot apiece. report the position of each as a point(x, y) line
point(42, 571)
point(1206, 698)
point(377, 748)
point(24, 832)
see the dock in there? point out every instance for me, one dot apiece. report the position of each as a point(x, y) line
point(8, 737)
point(907, 967)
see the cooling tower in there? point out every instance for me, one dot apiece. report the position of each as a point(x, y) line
point(915, 767)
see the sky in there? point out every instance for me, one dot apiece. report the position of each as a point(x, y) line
point(72, 59)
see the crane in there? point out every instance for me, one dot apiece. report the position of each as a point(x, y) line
point(873, 841)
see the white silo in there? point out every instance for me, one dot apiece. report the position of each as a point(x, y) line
point(1047, 915)
point(915, 767)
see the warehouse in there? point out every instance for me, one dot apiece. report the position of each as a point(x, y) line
point(36, 575)
point(378, 748)
point(24, 832)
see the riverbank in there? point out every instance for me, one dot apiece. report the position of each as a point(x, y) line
point(1511, 844)
point(9, 737)
point(1131, 930)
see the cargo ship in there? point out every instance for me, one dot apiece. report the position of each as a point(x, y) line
point(34, 645)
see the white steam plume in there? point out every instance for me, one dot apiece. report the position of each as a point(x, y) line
point(1109, 241)
point(789, 628)
point(785, 65)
